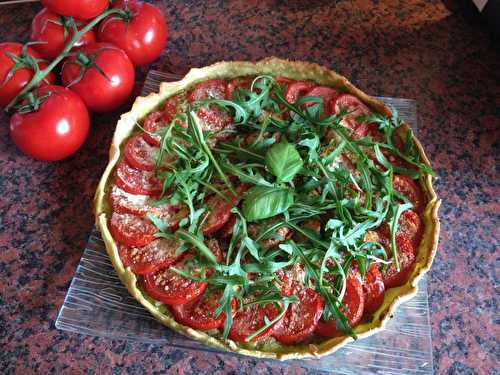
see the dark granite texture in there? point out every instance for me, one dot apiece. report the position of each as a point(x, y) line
point(414, 49)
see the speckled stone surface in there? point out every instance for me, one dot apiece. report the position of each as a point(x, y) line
point(414, 49)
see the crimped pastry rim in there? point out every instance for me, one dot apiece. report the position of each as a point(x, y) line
point(290, 69)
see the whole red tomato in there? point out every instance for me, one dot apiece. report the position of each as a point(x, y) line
point(142, 36)
point(11, 86)
point(56, 129)
point(81, 9)
point(48, 28)
point(100, 93)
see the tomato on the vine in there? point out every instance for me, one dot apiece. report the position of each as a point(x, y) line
point(53, 31)
point(142, 34)
point(54, 130)
point(83, 73)
point(80, 9)
point(13, 81)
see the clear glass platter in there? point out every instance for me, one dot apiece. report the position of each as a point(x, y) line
point(98, 304)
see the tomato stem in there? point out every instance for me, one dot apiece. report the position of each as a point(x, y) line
point(40, 75)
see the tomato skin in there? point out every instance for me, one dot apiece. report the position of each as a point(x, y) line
point(328, 94)
point(221, 210)
point(199, 314)
point(250, 319)
point(47, 28)
point(99, 93)
point(80, 9)
point(159, 253)
point(135, 181)
point(171, 288)
point(21, 77)
point(56, 130)
point(354, 302)
point(406, 255)
point(373, 289)
point(409, 188)
point(410, 225)
point(296, 90)
point(131, 230)
point(143, 37)
point(301, 319)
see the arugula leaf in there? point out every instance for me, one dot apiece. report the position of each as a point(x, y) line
point(262, 202)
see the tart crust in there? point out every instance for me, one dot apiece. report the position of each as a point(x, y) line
point(276, 67)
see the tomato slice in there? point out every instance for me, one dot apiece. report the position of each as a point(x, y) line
point(211, 89)
point(200, 313)
point(171, 288)
point(406, 255)
point(297, 89)
point(284, 82)
point(410, 225)
point(159, 253)
point(238, 83)
point(140, 154)
point(252, 318)
point(350, 103)
point(301, 319)
point(153, 122)
point(131, 230)
point(328, 94)
point(135, 181)
point(227, 230)
point(373, 289)
point(409, 188)
point(353, 306)
point(220, 210)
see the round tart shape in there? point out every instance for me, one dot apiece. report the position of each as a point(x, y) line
point(289, 74)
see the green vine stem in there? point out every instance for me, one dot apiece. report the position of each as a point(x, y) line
point(38, 76)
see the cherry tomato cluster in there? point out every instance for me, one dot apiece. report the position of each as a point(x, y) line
point(94, 45)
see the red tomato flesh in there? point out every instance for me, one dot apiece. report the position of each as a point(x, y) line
point(140, 154)
point(131, 230)
point(328, 94)
point(159, 253)
point(353, 306)
point(373, 289)
point(220, 210)
point(80, 9)
point(250, 319)
point(409, 188)
point(406, 255)
point(297, 89)
point(135, 181)
point(200, 313)
point(171, 288)
point(301, 318)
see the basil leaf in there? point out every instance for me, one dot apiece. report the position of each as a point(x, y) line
point(262, 202)
point(283, 161)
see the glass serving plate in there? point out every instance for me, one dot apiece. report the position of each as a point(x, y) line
point(98, 304)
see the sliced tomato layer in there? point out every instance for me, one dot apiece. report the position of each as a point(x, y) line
point(200, 313)
point(238, 83)
point(301, 318)
point(328, 94)
point(153, 123)
point(373, 289)
point(140, 154)
point(138, 204)
point(406, 255)
point(135, 181)
point(353, 306)
point(220, 210)
point(252, 318)
point(131, 230)
point(171, 288)
point(410, 225)
point(159, 253)
point(297, 89)
point(211, 89)
point(409, 188)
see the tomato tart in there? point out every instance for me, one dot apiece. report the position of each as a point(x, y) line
point(271, 208)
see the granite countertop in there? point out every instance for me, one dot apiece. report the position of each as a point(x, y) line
point(416, 49)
